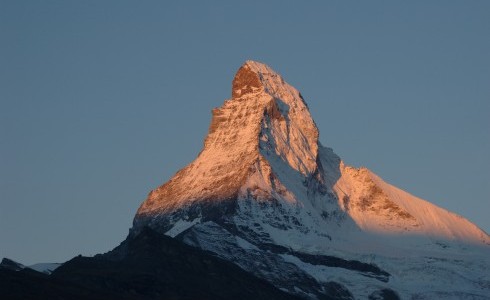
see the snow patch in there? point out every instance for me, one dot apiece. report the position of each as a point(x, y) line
point(180, 226)
point(46, 268)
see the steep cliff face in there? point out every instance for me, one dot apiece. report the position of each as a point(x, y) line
point(265, 194)
point(265, 116)
point(262, 145)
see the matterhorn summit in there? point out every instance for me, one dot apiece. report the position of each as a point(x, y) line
point(266, 195)
point(266, 118)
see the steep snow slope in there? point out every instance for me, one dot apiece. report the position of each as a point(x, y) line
point(266, 194)
point(379, 207)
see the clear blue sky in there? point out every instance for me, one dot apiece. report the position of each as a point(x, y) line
point(102, 101)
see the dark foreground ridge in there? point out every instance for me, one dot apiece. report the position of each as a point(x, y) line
point(147, 266)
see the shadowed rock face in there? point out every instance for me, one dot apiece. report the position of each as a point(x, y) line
point(11, 265)
point(146, 266)
point(245, 81)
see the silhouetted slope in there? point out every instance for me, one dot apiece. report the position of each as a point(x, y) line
point(146, 266)
point(29, 284)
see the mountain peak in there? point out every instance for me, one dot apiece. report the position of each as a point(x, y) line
point(264, 194)
point(247, 80)
point(254, 77)
point(266, 118)
point(262, 147)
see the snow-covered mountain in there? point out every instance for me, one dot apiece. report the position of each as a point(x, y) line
point(266, 195)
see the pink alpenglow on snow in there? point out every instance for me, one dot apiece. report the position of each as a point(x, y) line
point(265, 194)
point(265, 131)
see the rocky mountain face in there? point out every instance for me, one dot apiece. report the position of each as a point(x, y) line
point(266, 195)
point(146, 266)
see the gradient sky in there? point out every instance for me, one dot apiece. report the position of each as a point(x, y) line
point(102, 101)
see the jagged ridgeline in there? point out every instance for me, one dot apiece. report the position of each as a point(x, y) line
point(266, 195)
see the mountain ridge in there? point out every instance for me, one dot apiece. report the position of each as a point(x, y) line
point(267, 120)
point(265, 194)
point(145, 266)
point(266, 211)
